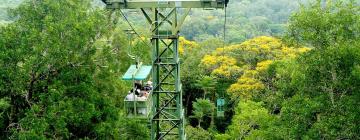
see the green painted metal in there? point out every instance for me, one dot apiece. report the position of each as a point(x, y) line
point(167, 118)
point(134, 73)
point(220, 103)
point(136, 4)
point(133, 108)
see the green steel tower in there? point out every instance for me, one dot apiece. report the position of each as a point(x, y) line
point(167, 118)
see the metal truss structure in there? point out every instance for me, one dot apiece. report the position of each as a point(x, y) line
point(166, 18)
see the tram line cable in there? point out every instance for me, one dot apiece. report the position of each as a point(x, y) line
point(132, 27)
point(224, 39)
point(224, 31)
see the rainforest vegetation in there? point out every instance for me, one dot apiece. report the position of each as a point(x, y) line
point(286, 70)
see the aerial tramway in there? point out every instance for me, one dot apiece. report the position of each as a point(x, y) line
point(164, 104)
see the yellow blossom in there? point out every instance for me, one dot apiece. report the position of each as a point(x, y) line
point(225, 61)
point(245, 87)
point(226, 71)
point(263, 65)
point(186, 45)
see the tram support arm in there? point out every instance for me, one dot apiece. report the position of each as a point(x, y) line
point(137, 4)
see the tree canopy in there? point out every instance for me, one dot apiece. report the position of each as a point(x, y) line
point(287, 70)
point(55, 83)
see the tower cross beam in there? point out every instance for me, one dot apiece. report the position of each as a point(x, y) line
point(136, 4)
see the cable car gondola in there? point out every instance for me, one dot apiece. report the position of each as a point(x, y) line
point(138, 102)
point(138, 106)
point(220, 107)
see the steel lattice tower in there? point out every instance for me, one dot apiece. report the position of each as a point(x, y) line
point(167, 119)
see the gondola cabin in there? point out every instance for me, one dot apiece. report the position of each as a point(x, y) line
point(138, 101)
point(220, 107)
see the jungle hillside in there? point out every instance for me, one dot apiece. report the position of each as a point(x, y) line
point(261, 69)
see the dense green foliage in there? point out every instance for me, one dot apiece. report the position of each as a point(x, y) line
point(313, 96)
point(61, 61)
point(246, 19)
point(322, 103)
point(323, 26)
point(290, 93)
point(59, 79)
point(202, 108)
point(197, 133)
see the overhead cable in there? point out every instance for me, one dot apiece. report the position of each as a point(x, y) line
point(126, 19)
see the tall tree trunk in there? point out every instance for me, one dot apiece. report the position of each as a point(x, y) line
point(212, 125)
point(188, 103)
point(199, 123)
point(204, 94)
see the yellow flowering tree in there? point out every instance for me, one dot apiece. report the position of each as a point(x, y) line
point(186, 45)
point(259, 49)
point(251, 59)
point(263, 65)
point(249, 82)
point(220, 66)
